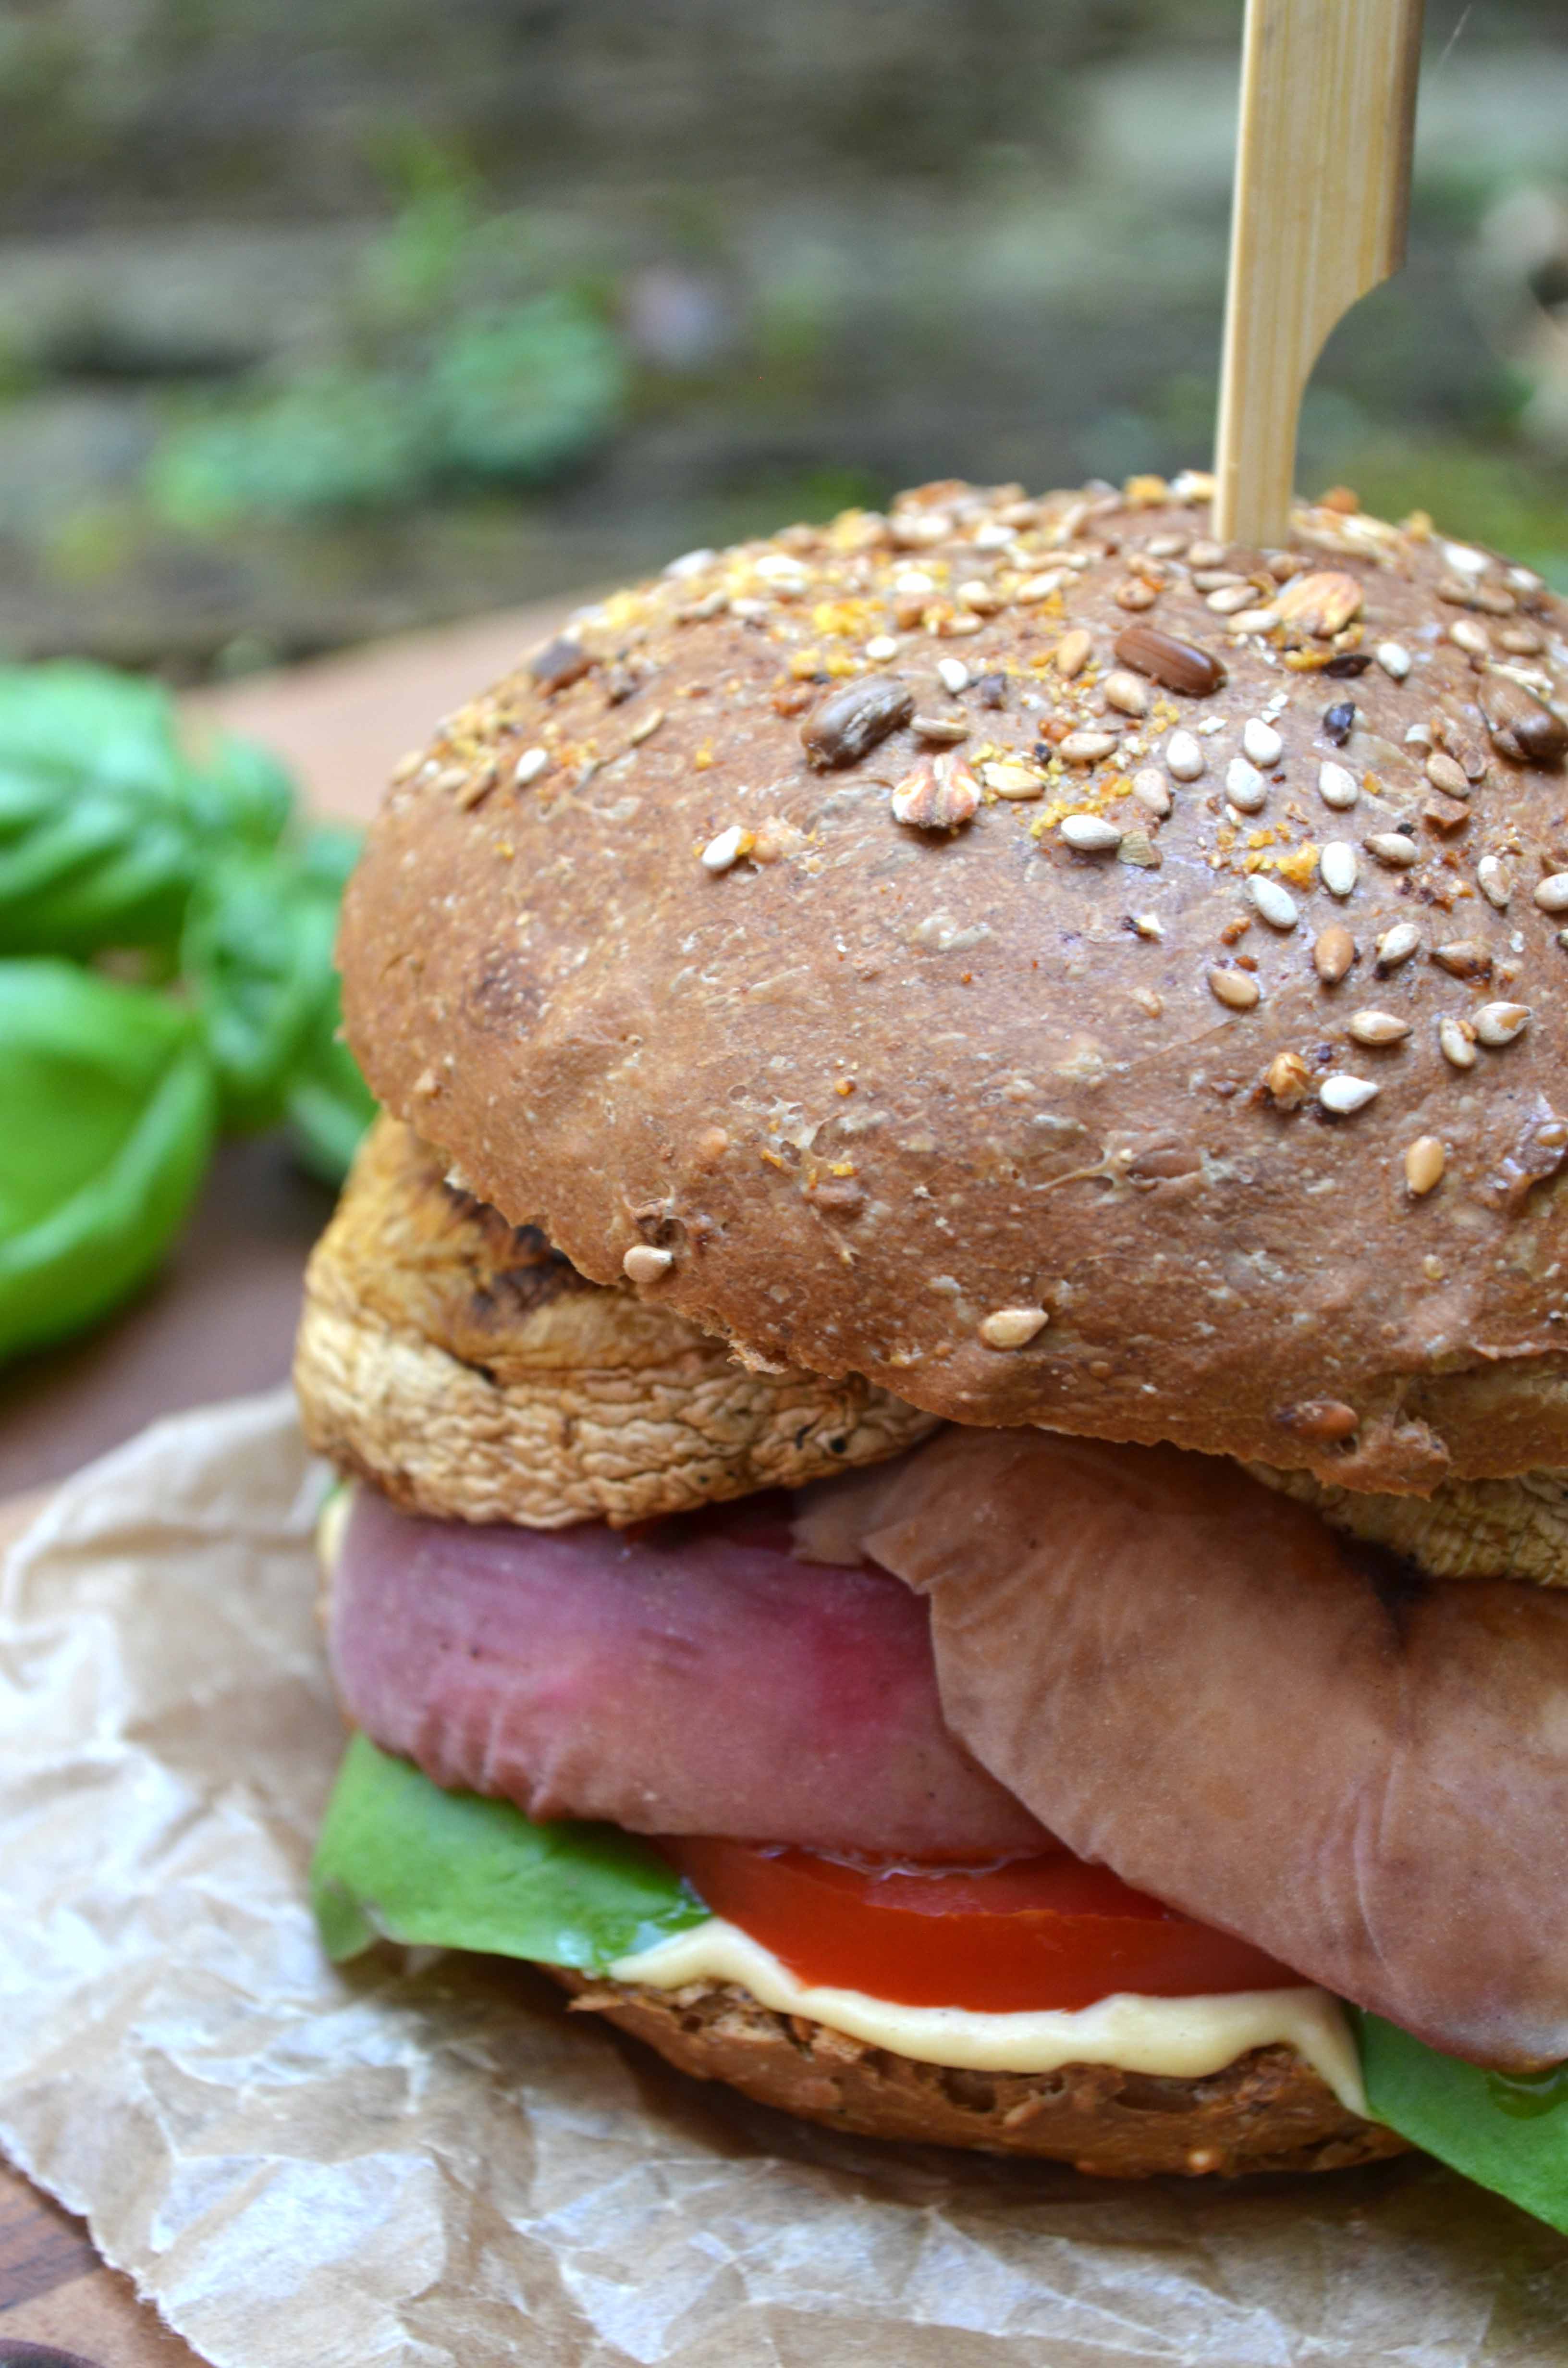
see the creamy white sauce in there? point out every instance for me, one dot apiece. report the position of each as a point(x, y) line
point(1184, 2038)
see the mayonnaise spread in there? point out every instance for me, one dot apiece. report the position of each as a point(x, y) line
point(1184, 2038)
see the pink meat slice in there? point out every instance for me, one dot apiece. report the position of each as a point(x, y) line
point(1190, 1679)
point(697, 1679)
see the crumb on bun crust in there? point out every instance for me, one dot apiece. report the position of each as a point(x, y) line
point(1266, 2111)
point(1024, 953)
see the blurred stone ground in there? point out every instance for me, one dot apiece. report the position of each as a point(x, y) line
point(843, 249)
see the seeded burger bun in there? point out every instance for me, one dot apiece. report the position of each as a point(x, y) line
point(1014, 962)
point(1046, 967)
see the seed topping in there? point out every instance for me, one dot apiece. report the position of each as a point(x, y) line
point(1261, 741)
point(1497, 1024)
point(1333, 953)
point(1321, 605)
point(1151, 792)
point(1327, 1419)
point(1236, 989)
point(1180, 665)
point(1126, 694)
point(1395, 660)
point(1090, 834)
point(559, 663)
point(642, 1263)
point(1184, 758)
point(1457, 1039)
point(1446, 773)
point(1286, 1079)
point(1462, 958)
point(1041, 586)
point(1245, 787)
point(1391, 848)
point(1424, 1160)
point(1086, 748)
point(1378, 1028)
point(1014, 782)
point(1551, 894)
point(1338, 786)
point(847, 723)
point(530, 766)
point(1343, 1095)
point(726, 848)
point(1013, 1327)
point(1072, 653)
point(1397, 945)
point(1338, 867)
point(1521, 727)
point(1275, 904)
point(936, 794)
point(1495, 882)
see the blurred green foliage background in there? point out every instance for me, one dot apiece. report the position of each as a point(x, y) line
point(320, 318)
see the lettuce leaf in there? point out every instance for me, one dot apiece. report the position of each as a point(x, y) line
point(401, 1860)
point(1507, 2134)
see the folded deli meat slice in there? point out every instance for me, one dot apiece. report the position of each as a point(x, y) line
point(693, 1680)
point(1282, 1732)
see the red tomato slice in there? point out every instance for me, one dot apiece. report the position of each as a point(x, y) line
point(1050, 1931)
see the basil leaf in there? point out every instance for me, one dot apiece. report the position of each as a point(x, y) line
point(1507, 2134)
point(401, 1860)
point(105, 823)
point(242, 791)
point(258, 948)
point(328, 1105)
point(107, 1113)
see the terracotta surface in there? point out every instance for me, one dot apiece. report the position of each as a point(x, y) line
point(219, 1322)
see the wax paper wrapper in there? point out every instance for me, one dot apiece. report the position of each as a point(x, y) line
point(422, 2159)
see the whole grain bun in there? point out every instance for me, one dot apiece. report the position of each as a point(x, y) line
point(704, 942)
point(1266, 2111)
point(471, 1373)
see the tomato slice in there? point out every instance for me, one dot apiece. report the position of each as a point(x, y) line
point(1036, 1933)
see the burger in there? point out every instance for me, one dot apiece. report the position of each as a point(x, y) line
point(951, 1349)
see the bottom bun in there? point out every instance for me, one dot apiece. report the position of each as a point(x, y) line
point(1266, 2111)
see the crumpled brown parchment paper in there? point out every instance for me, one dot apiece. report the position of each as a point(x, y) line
point(422, 2159)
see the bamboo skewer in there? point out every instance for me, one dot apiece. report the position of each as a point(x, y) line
point(1319, 216)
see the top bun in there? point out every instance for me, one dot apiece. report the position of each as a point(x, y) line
point(1021, 951)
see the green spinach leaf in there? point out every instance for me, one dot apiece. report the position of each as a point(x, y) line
point(401, 1860)
point(1508, 2134)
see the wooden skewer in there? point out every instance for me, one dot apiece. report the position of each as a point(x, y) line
point(1322, 201)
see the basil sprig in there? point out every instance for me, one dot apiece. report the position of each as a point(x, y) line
point(121, 851)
